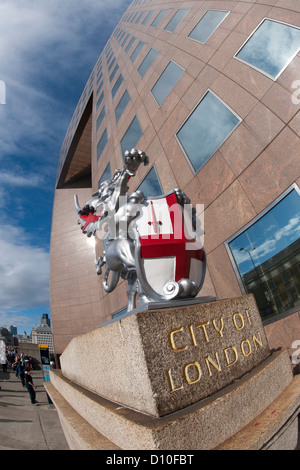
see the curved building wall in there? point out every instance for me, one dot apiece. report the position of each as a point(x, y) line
point(210, 91)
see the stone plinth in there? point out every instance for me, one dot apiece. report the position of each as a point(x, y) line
point(192, 376)
point(160, 361)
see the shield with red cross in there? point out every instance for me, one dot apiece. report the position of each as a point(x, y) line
point(170, 261)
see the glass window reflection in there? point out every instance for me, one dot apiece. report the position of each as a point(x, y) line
point(101, 144)
point(177, 18)
point(271, 47)
point(166, 82)
point(117, 85)
point(150, 185)
point(136, 51)
point(205, 130)
point(207, 25)
point(267, 257)
point(105, 176)
point(131, 136)
point(100, 117)
point(122, 105)
point(147, 62)
point(160, 15)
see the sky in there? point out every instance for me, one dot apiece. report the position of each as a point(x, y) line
point(47, 52)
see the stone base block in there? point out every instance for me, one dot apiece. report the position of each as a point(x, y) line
point(256, 412)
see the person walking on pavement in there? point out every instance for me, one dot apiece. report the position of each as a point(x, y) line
point(21, 372)
point(30, 385)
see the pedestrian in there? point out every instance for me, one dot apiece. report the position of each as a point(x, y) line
point(30, 385)
point(21, 372)
point(3, 361)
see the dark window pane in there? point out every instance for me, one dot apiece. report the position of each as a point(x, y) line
point(150, 186)
point(131, 136)
point(101, 117)
point(117, 85)
point(101, 144)
point(122, 105)
point(105, 176)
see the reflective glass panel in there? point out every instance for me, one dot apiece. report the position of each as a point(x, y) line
point(122, 105)
point(136, 51)
point(206, 129)
point(147, 62)
point(117, 85)
point(101, 144)
point(100, 100)
point(267, 256)
point(101, 117)
point(151, 185)
point(129, 44)
point(160, 15)
point(105, 176)
point(271, 47)
point(207, 25)
point(131, 136)
point(148, 16)
point(174, 22)
point(166, 82)
point(113, 73)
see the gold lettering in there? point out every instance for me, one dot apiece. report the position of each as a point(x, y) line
point(233, 348)
point(171, 383)
point(209, 360)
point(203, 325)
point(241, 326)
point(186, 375)
point(243, 349)
point(192, 335)
point(171, 339)
point(220, 331)
point(248, 315)
point(256, 340)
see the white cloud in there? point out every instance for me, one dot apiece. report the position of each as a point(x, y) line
point(24, 272)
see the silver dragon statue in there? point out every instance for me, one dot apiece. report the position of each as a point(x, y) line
point(145, 243)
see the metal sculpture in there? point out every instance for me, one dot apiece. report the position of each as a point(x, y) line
point(147, 242)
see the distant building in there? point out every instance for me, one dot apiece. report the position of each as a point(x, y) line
point(6, 336)
point(43, 333)
point(13, 329)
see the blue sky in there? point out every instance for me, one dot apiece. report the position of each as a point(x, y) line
point(47, 52)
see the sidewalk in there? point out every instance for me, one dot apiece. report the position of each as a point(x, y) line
point(24, 426)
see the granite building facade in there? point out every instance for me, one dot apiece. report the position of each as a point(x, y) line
point(210, 90)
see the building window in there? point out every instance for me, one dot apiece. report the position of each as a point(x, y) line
point(266, 254)
point(166, 82)
point(111, 64)
point(105, 176)
point(136, 51)
point(150, 185)
point(100, 117)
point(147, 17)
point(113, 73)
point(117, 85)
point(101, 144)
point(177, 18)
point(206, 129)
point(160, 15)
point(122, 105)
point(271, 47)
point(100, 100)
point(129, 44)
point(207, 25)
point(131, 136)
point(125, 39)
point(147, 62)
